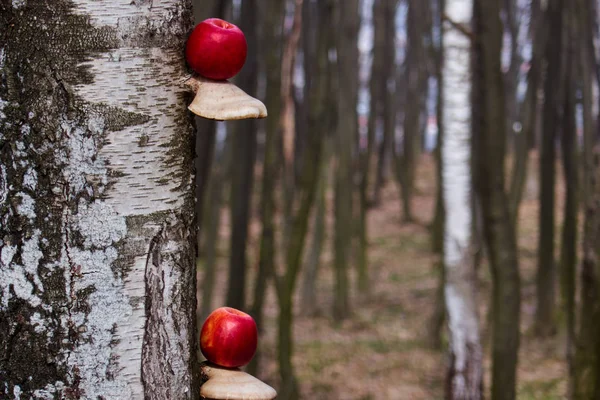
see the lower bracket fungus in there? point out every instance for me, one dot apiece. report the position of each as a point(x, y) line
point(221, 383)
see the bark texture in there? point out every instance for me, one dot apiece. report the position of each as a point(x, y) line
point(465, 372)
point(97, 278)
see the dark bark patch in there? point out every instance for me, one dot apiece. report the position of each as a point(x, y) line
point(29, 354)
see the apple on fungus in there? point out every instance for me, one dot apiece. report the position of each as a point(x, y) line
point(229, 337)
point(216, 49)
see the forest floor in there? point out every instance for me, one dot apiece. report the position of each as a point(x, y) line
point(382, 351)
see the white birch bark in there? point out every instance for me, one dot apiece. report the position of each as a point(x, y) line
point(465, 370)
point(97, 284)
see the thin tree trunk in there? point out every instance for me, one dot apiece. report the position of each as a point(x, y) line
point(97, 232)
point(415, 90)
point(568, 256)
point(346, 132)
point(306, 192)
point(511, 77)
point(242, 167)
point(465, 372)
point(205, 147)
point(587, 64)
point(212, 211)
point(585, 382)
point(381, 170)
point(528, 112)
point(436, 322)
point(294, 113)
point(499, 233)
point(308, 302)
point(546, 274)
point(375, 88)
point(587, 357)
point(388, 111)
point(274, 15)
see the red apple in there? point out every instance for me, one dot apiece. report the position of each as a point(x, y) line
point(229, 337)
point(216, 49)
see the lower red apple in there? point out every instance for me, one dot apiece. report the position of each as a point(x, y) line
point(229, 337)
point(216, 49)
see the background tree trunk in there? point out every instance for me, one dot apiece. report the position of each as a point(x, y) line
point(585, 382)
point(242, 165)
point(511, 76)
point(385, 14)
point(273, 12)
point(465, 372)
point(305, 193)
point(587, 66)
point(528, 112)
point(97, 277)
point(553, 103)
point(568, 254)
point(498, 231)
point(436, 323)
point(375, 93)
point(415, 85)
point(308, 302)
point(587, 357)
point(346, 132)
point(212, 211)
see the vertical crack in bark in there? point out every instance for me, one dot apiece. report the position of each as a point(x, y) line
point(155, 351)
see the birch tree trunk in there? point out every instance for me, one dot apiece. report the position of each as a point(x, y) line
point(465, 370)
point(97, 280)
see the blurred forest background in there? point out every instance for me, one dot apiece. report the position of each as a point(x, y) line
point(419, 215)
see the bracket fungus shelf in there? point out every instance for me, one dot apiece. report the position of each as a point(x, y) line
point(223, 100)
point(232, 384)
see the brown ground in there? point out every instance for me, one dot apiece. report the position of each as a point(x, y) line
point(381, 352)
